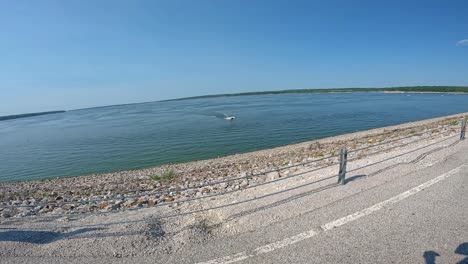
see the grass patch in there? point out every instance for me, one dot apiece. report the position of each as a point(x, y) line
point(319, 155)
point(168, 175)
point(453, 123)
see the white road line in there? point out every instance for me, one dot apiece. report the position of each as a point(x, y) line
point(339, 222)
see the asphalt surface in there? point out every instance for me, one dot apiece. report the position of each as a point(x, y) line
point(427, 226)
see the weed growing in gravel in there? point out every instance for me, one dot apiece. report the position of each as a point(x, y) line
point(454, 123)
point(319, 155)
point(168, 175)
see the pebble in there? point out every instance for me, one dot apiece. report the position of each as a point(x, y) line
point(272, 176)
point(142, 200)
point(244, 184)
point(128, 203)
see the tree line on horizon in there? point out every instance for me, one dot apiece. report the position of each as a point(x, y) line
point(437, 89)
point(3, 118)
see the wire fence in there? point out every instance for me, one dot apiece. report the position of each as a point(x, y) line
point(431, 133)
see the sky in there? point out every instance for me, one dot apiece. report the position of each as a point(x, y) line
point(73, 54)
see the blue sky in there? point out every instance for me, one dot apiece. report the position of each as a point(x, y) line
point(75, 54)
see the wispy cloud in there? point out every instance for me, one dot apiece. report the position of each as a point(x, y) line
point(463, 42)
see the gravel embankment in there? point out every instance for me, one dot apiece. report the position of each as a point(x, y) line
point(147, 187)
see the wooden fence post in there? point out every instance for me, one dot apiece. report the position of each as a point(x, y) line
point(343, 161)
point(463, 129)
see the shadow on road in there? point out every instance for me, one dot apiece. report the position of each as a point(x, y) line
point(462, 249)
point(354, 178)
point(40, 237)
point(430, 257)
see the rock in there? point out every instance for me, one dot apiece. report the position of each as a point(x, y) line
point(223, 185)
point(272, 176)
point(128, 203)
point(169, 199)
point(91, 207)
point(63, 219)
point(25, 213)
point(6, 214)
point(37, 209)
point(110, 207)
point(152, 202)
point(58, 210)
point(58, 198)
point(47, 208)
point(142, 200)
point(244, 184)
point(69, 206)
point(82, 208)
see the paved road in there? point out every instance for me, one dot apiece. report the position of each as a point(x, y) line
point(406, 215)
point(423, 225)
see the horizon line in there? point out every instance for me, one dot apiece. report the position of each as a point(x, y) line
point(265, 92)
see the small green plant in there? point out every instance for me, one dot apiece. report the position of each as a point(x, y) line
point(319, 155)
point(412, 132)
point(380, 140)
point(168, 175)
point(332, 153)
point(284, 164)
point(453, 123)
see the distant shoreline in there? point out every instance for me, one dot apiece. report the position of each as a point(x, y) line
point(10, 117)
point(408, 92)
point(405, 89)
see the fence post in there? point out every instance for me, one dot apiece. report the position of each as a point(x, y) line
point(463, 129)
point(343, 160)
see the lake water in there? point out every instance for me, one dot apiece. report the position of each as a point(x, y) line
point(143, 135)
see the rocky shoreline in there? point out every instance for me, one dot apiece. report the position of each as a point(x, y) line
point(169, 184)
